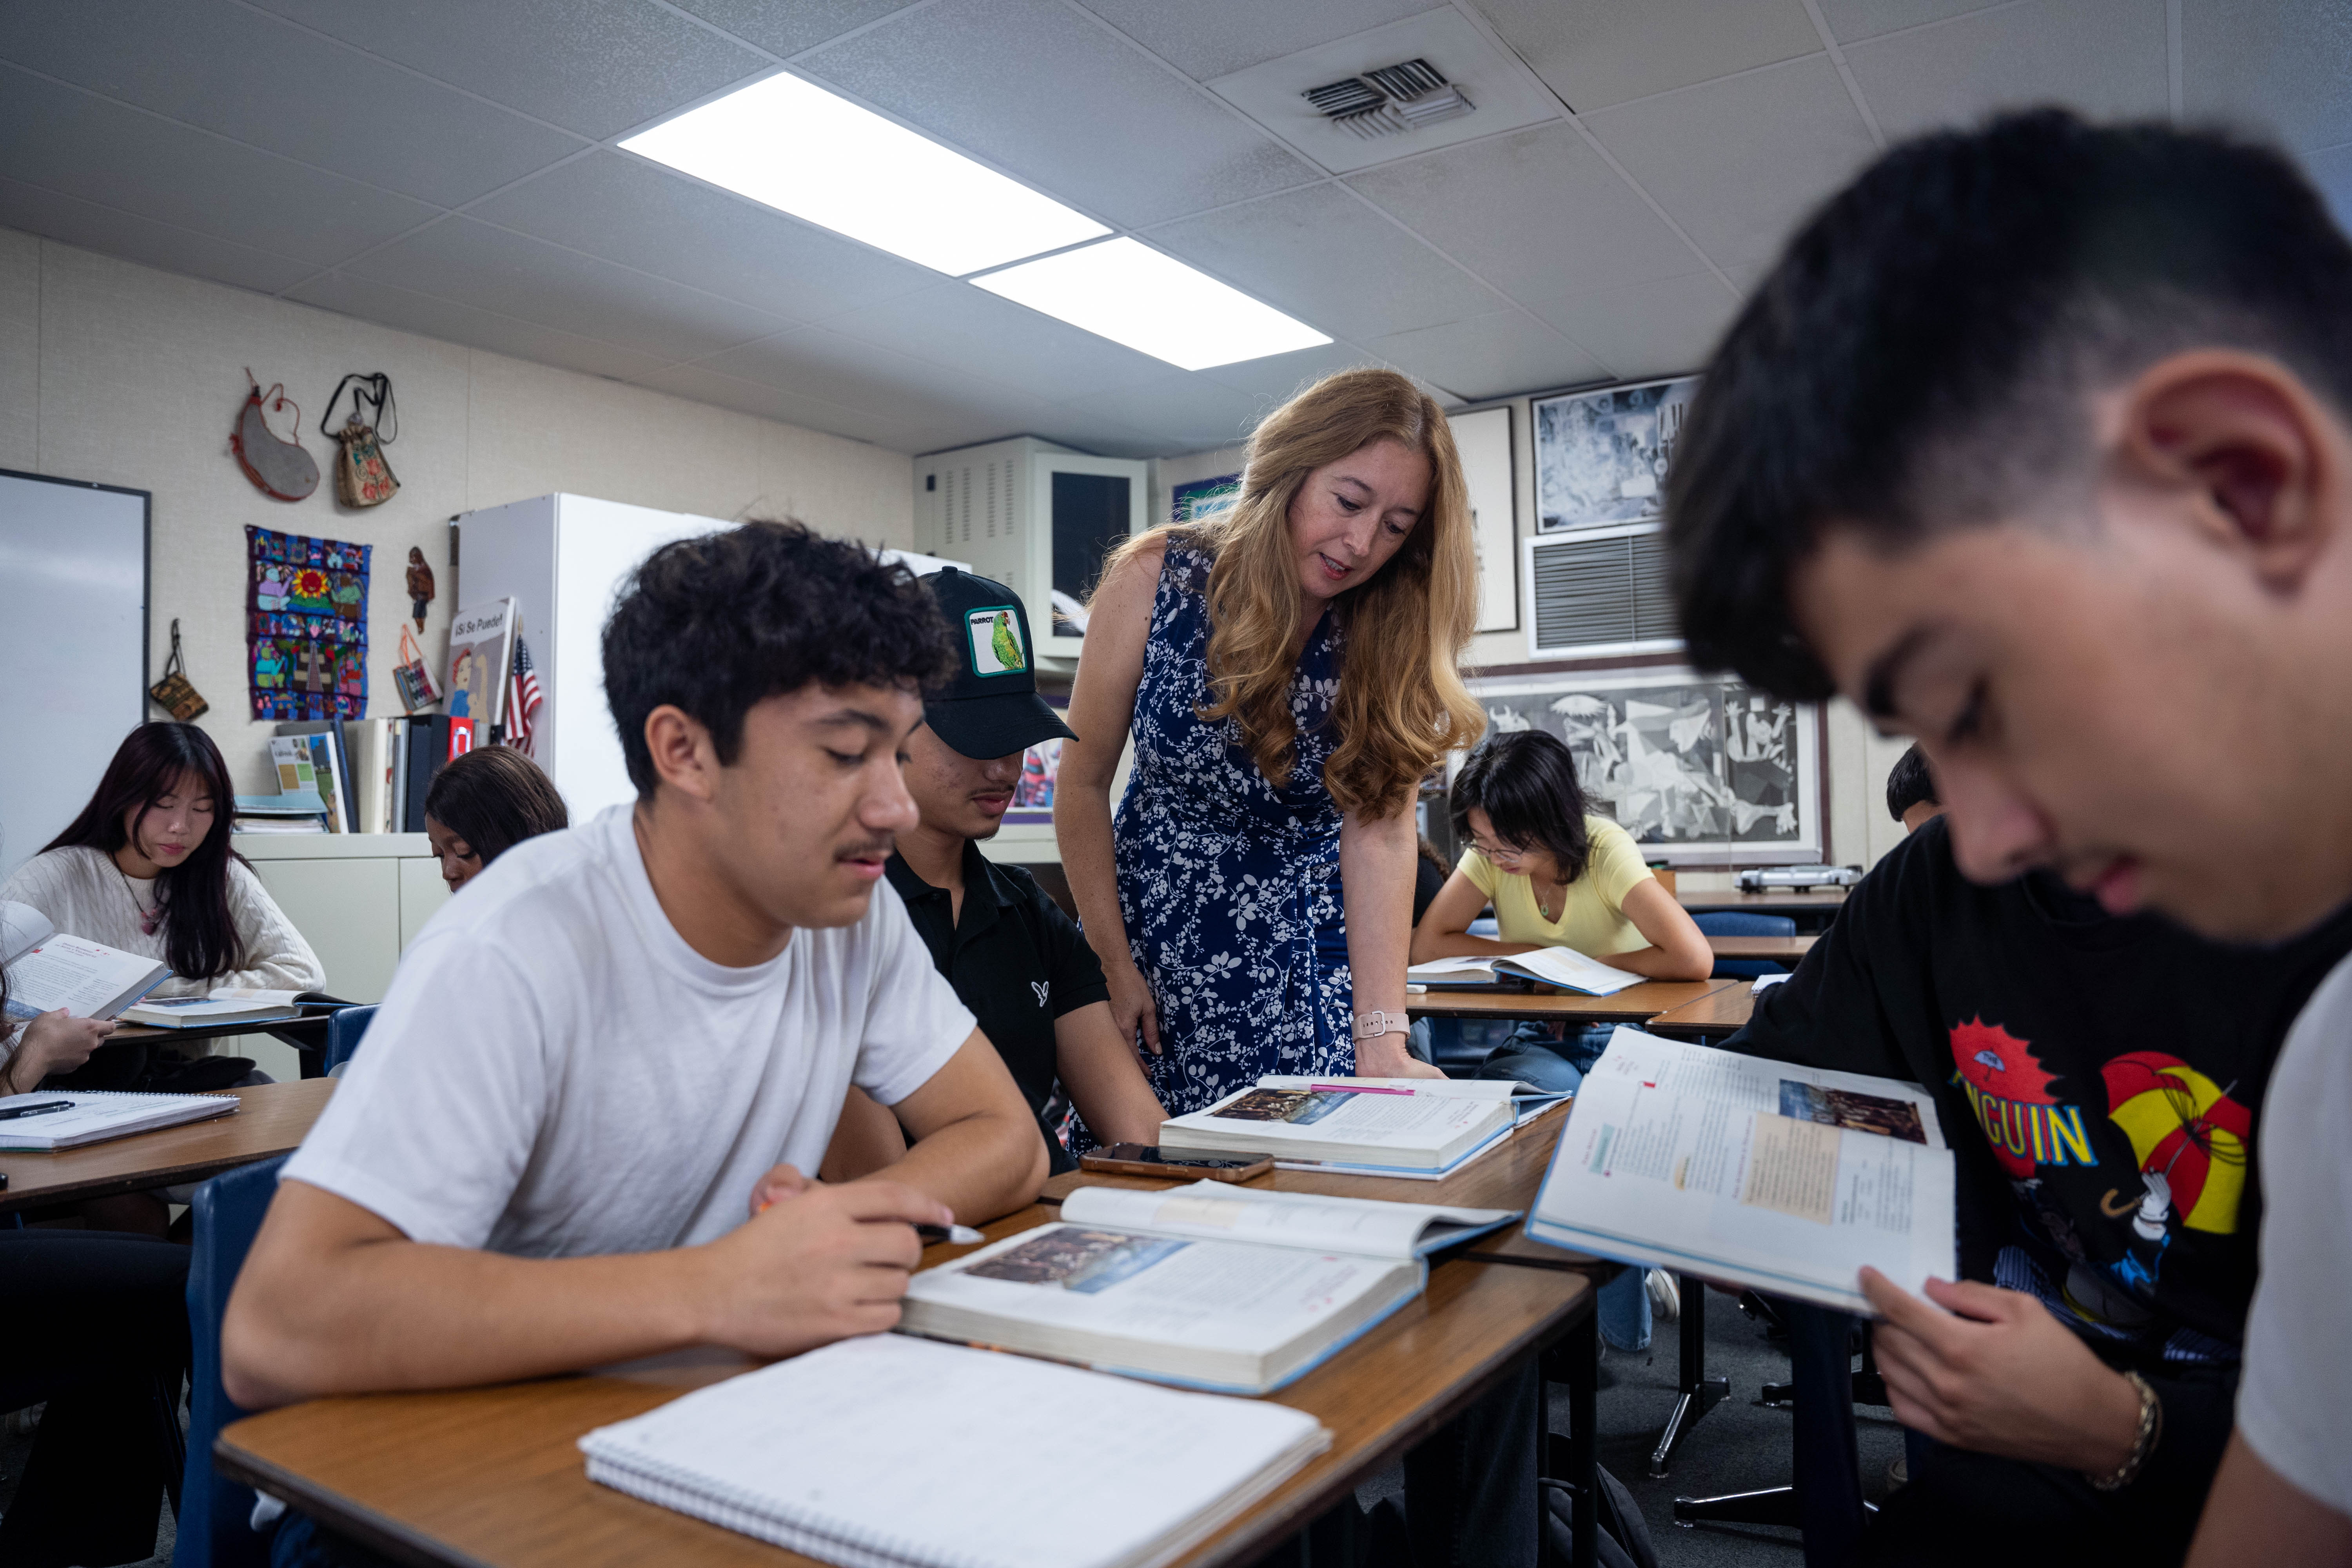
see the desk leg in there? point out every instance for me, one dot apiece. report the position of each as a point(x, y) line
point(1700, 1392)
point(1582, 1354)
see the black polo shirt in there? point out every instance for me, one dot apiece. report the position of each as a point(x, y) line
point(1016, 960)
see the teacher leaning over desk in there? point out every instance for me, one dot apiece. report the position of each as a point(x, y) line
point(1289, 673)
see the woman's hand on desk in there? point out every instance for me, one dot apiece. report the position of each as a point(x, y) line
point(1384, 1056)
point(52, 1042)
point(1131, 1007)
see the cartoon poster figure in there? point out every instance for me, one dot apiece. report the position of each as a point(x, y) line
point(461, 685)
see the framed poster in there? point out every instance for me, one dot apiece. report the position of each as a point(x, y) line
point(1699, 769)
point(1601, 457)
point(1041, 770)
point(1484, 440)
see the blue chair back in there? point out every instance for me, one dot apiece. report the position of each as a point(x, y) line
point(1722, 922)
point(214, 1532)
point(345, 1028)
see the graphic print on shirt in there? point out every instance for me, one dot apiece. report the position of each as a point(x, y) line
point(2009, 1092)
point(1044, 989)
point(2189, 1137)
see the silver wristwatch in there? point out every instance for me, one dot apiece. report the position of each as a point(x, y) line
point(1372, 1025)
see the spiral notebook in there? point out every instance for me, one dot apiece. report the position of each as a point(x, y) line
point(891, 1452)
point(95, 1115)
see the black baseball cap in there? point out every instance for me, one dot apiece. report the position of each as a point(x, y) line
point(991, 708)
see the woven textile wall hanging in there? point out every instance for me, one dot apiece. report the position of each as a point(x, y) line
point(306, 625)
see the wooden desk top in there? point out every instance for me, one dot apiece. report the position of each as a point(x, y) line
point(1630, 1005)
point(1780, 900)
point(490, 1477)
point(1788, 949)
point(1723, 1012)
point(270, 1121)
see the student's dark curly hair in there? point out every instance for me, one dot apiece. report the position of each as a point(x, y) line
point(1525, 780)
point(717, 624)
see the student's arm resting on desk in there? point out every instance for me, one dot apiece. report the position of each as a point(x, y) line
point(1102, 709)
point(276, 958)
point(1445, 928)
point(1677, 949)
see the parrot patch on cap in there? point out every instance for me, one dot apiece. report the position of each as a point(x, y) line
point(995, 636)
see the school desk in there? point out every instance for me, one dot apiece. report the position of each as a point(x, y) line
point(271, 1120)
point(1812, 909)
point(1784, 949)
point(1631, 1005)
point(307, 1035)
point(1711, 1016)
point(491, 1478)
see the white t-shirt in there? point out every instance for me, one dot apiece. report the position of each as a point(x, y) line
point(2298, 1381)
point(555, 1072)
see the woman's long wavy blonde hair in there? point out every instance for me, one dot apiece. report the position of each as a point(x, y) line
point(1402, 705)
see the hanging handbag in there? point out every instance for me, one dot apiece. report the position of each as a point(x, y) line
point(280, 468)
point(414, 682)
point(362, 476)
point(174, 694)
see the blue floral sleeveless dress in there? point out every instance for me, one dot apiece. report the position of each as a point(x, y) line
point(1230, 887)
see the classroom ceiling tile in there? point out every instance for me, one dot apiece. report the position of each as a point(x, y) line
point(1277, 378)
point(1206, 39)
point(1182, 408)
point(788, 29)
point(1850, 21)
point(1059, 100)
point(818, 361)
point(1083, 426)
point(396, 307)
point(2282, 66)
point(2102, 57)
point(62, 139)
point(282, 89)
point(134, 238)
point(1644, 330)
point(704, 384)
point(1594, 53)
point(983, 335)
point(1490, 356)
point(1538, 214)
point(1498, 90)
point(627, 210)
point(1330, 259)
point(497, 269)
point(1738, 162)
point(597, 66)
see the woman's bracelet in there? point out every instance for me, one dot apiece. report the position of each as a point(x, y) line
point(2151, 1427)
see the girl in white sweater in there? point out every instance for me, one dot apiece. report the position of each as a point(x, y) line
point(147, 867)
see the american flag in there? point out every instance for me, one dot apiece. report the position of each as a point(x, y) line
point(522, 699)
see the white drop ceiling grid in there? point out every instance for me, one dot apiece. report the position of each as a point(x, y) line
point(448, 167)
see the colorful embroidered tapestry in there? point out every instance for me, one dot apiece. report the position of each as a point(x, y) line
point(306, 625)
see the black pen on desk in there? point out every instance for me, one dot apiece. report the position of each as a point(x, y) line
point(959, 1235)
point(13, 1112)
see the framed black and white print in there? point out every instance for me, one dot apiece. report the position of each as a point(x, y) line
point(1601, 457)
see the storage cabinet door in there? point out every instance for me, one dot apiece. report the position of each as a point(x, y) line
point(422, 892)
point(349, 911)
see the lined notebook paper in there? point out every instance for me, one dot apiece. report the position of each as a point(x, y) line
point(100, 1114)
point(887, 1451)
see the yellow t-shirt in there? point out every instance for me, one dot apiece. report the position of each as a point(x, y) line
point(1591, 917)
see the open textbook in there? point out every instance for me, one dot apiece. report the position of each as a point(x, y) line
point(221, 1005)
point(49, 969)
point(1784, 1178)
point(1561, 966)
point(1369, 1126)
point(887, 1452)
point(1214, 1285)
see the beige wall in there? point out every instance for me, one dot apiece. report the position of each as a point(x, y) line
point(124, 375)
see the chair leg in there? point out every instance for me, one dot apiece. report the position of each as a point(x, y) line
point(1698, 1393)
point(170, 1441)
point(1772, 1505)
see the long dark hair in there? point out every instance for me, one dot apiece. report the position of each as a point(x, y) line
point(1525, 781)
point(494, 797)
point(200, 938)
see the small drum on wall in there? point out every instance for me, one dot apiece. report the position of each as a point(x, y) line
point(278, 468)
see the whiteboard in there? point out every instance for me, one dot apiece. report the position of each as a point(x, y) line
point(73, 648)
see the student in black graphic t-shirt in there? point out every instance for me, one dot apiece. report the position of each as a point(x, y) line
point(2099, 1080)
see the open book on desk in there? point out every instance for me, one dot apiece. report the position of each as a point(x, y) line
point(222, 1005)
point(1782, 1178)
point(49, 969)
point(1561, 966)
point(887, 1452)
point(1212, 1285)
point(1364, 1126)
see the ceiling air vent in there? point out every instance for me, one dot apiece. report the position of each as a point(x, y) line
point(1391, 100)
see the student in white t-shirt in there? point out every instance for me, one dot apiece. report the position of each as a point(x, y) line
point(2037, 445)
point(545, 1155)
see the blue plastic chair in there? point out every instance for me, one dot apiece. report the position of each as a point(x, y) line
point(213, 1512)
point(345, 1028)
point(1727, 922)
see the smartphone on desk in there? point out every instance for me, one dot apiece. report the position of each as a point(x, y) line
point(1145, 1160)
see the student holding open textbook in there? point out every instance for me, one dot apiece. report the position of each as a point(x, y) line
point(656, 1010)
point(2037, 445)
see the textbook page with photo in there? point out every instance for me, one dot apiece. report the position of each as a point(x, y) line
point(1418, 1127)
point(1211, 1284)
point(1783, 1178)
point(891, 1452)
point(49, 969)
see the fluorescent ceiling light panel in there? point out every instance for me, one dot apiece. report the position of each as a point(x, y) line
point(793, 145)
point(1131, 294)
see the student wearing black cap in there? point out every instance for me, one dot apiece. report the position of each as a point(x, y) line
point(1018, 962)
